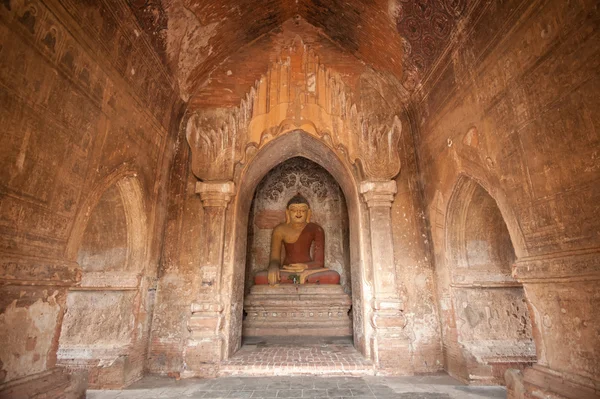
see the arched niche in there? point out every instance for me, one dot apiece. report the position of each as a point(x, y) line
point(328, 209)
point(493, 329)
point(104, 242)
point(116, 203)
point(478, 239)
point(292, 144)
point(101, 330)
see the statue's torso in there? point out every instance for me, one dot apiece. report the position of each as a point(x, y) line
point(299, 250)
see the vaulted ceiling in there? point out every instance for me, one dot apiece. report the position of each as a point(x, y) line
point(400, 37)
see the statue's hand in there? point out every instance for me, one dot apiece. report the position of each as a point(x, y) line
point(273, 275)
point(295, 267)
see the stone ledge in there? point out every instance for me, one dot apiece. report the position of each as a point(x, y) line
point(84, 356)
point(113, 280)
point(494, 351)
point(544, 382)
point(31, 270)
point(287, 289)
point(54, 383)
point(559, 267)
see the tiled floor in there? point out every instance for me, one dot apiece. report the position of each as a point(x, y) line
point(297, 356)
point(301, 368)
point(368, 387)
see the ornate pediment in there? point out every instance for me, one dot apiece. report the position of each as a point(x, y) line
point(298, 92)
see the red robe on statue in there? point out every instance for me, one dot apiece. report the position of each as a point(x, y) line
point(299, 252)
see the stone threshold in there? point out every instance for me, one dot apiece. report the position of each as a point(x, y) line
point(297, 356)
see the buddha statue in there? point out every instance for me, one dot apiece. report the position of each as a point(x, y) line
point(297, 235)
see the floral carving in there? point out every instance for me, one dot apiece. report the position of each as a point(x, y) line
point(427, 27)
point(297, 172)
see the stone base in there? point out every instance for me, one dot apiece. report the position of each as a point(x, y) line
point(202, 357)
point(541, 382)
point(318, 310)
point(54, 383)
point(488, 360)
point(107, 368)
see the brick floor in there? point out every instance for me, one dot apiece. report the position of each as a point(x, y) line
point(297, 356)
point(368, 387)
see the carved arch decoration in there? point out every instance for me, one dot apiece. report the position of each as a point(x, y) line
point(297, 92)
point(296, 143)
point(468, 177)
point(131, 192)
point(486, 303)
point(119, 292)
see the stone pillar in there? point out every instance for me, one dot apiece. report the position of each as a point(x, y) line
point(388, 341)
point(205, 346)
point(562, 292)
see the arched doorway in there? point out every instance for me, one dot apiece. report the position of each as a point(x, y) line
point(492, 327)
point(105, 324)
point(290, 145)
point(311, 313)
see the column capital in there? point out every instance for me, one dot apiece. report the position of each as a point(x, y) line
point(378, 193)
point(215, 194)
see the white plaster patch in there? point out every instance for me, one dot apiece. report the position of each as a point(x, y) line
point(187, 44)
point(24, 350)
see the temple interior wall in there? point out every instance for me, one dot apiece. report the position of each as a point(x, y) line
point(515, 111)
point(75, 120)
point(178, 274)
point(495, 225)
point(413, 262)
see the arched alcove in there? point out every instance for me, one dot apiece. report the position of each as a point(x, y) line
point(493, 329)
point(479, 241)
point(487, 241)
point(100, 329)
point(104, 243)
point(328, 207)
point(280, 149)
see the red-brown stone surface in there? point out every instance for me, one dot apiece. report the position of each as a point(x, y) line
point(463, 135)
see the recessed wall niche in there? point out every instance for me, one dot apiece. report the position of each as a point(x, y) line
point(299, 175)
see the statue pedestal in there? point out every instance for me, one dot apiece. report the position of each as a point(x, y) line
point(318, 310)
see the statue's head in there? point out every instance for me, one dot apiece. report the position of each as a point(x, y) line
point(297, 210)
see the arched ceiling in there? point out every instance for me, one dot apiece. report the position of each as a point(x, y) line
point(400, 37)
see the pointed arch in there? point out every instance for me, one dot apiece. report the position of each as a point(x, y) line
point(487, 303)
point(280, 149)
point(131, 192)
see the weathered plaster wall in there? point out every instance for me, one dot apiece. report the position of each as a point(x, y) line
point(98, 319)
point(179, 269)
point(33, 341)
point(104, 244)
point(328, 206)
point(84, 102)
point(514, 105)
point(414, 264)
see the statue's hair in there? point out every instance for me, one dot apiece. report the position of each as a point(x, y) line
point(297, 199)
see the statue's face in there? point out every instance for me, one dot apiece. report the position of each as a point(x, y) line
point(298, 213)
